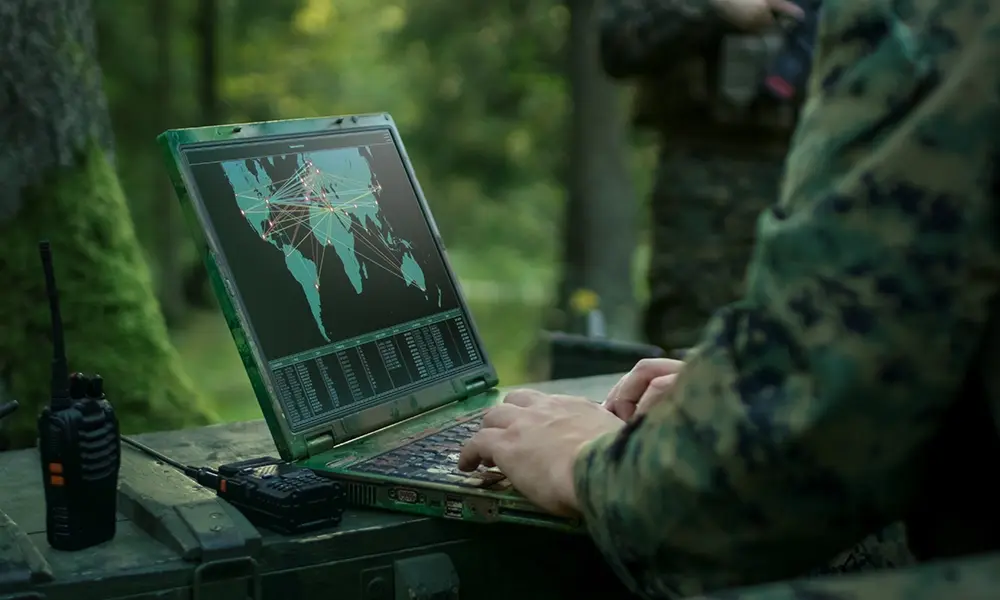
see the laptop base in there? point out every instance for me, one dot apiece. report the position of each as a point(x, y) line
point(420, 498)
point(411, 467)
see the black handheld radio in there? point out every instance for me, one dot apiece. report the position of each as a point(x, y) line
point(269, 492)
point(79, 444)
point(277, 495)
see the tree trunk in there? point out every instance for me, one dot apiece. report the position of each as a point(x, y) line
point(208, 71)
point(599, 239)
point(170, 286)
point(207, 29)
point(55, 144)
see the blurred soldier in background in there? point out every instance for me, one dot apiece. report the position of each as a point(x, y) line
point(700, 69)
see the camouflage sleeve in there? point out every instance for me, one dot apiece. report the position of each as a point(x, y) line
point(640, 37)
point(797, 425)
point(966, 579)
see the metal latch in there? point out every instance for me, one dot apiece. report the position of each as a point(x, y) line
point(320, 443)
point(229, 578)
point(428, 577)
point(475, 386)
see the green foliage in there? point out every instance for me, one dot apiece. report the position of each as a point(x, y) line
point(476, 89)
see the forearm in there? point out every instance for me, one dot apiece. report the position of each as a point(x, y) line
point(641, 37)
point(799, 423)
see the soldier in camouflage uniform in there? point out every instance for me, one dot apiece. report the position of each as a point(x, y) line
point(854, 384)
point(698, 67)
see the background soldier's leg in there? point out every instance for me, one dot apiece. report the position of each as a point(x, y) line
point(674, 317)
point(705, 212)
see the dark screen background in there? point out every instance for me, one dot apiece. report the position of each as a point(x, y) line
point(276, 304)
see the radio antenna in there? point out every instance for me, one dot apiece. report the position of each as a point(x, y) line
point(8, 408)
point(60, 368)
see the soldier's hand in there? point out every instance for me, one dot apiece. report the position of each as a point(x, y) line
point(534, 439)
point(752, 15)
point(643, 386)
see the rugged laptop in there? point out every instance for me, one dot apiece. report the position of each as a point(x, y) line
point(335, 284)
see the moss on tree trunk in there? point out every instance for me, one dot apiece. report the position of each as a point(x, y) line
point(113, 322)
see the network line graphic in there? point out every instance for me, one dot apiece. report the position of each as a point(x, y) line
point(330, 202)
point(316, 207)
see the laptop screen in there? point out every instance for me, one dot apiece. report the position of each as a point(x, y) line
point(336, 268)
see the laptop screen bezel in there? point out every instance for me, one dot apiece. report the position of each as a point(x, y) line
point(300, 444)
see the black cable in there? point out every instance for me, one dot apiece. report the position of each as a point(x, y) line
point(155, 454)
point(203, 475)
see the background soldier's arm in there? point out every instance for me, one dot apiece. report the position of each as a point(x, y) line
point(797, 425)
point(642, 37)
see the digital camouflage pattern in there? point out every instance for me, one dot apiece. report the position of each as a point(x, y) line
point(968, 579)
point(852, 386)
point(704, 209)
point(718, 168)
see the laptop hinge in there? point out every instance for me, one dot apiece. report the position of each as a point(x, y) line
point(320, 443)
point(475, 386)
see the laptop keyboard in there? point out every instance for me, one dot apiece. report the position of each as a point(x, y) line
point(434, 458)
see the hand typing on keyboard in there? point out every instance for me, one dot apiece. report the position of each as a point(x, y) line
point(434, 458)
point(535, 439)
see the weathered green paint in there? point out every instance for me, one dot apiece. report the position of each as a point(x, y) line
point(113, 323)
point(20, 561)
point(294, 445)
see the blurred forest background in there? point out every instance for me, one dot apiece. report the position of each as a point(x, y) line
point(483, 93)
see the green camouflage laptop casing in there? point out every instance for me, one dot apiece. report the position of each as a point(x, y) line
point(324, 436)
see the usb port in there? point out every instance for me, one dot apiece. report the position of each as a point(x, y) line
point(453, 508)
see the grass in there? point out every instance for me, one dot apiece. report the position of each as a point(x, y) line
point(509, 330)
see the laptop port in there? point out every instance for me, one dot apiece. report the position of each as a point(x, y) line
point(405, 495)
point(453, 507)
